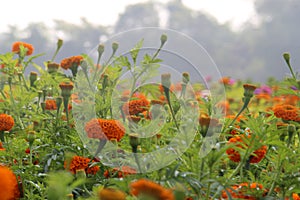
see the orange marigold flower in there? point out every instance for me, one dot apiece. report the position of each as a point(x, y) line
point(73, 61)
point(105, 129)
point(152, 189)
point(120, 172)
point(80, 163)
point(295, 196)
point(6, 122)
point(136, 106)
point(16, 47)
point(245, 191)
point(50, 104)
point(287, 112)
point(111, 194)
point(8, 184)
point(235, 156)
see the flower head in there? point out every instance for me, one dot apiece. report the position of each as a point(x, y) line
point(50, 104)
point(287, 112)
point(73, 61)
point(80, 163)
point(239, 142)
point(151, 189)
point(6, 122)
point(138, 105)
point(16, 48)
point(8, 184)
point(104, 129)
point(111, 194)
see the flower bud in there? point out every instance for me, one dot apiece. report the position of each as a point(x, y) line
point(52, 67)
point(134, 141)
point(185, 77)
point(66, 88)
point(115, 46)
point(163, 39)
point(249, 90)
point(60, 42)
point(32, 78)
point(166, 80)
point(100, 49)
point(286, 57)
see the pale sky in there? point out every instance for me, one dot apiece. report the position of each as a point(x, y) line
point(105, 12)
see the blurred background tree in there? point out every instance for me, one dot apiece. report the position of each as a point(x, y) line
point(254, 52)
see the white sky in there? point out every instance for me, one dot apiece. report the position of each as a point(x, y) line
point(105, 12)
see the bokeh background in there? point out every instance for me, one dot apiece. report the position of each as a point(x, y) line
point(245, 38)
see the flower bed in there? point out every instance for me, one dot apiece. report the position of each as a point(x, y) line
point(77, 137)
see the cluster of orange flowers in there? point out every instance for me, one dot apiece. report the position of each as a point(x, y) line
point(8, 184)
point(6, 122)
point(120, 172)
point(151, 189)
point(244, 190)
point(71, 61)
point(80, 163)
point(104, 129)
point(287, 112)
point(16, 47)
point(136, 106)
point(234, 154)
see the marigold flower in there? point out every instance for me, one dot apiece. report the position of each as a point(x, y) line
point(136, 106)
point(245, 191)
point(50, 104)
point(120, 172)
point(73, 61)
point(8, 184)
point(287, 112)
point(105, 129)
point(16, 47)
point(152, 189)
point(111, 194)
point(235, 156)
point(80, 163)
point(6, 122)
